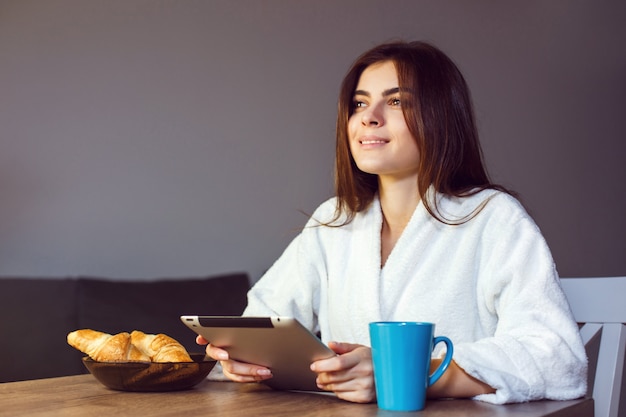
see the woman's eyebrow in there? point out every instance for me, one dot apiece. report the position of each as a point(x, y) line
point(388, 92)
point(391, 91)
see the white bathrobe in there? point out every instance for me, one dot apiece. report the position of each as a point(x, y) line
point(490, 285)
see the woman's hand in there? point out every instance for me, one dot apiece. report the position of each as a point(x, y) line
point(349, 374)
point(236, 371)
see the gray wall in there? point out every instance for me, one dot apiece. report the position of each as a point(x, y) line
point(145, 139)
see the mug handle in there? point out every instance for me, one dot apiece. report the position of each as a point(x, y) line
point(446, 360)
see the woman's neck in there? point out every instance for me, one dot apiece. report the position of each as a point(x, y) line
point(398, 200)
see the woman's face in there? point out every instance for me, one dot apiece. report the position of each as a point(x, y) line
point(379, 137)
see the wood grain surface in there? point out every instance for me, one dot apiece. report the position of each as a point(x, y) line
point(82, 395)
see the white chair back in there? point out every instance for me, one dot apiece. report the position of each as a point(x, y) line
point(599, 305)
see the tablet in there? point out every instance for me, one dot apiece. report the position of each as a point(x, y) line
point(281, 344)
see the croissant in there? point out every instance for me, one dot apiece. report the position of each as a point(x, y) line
point(104, 347)
point(160, 347)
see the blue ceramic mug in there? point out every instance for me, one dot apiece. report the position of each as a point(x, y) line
point(401, 354)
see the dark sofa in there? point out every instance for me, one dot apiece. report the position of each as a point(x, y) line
point(37, 314)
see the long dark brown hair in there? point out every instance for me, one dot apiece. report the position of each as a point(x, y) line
point(440, 116)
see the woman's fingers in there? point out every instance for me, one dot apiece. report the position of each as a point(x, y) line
point(234, 370)
point(244, 372)
point(348, 357)
point(216, 353)
point(349, 374)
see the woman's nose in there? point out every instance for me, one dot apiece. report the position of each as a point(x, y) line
point(372, 117)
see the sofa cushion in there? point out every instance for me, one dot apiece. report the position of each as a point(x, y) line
point(37, 314)
point(156, 306)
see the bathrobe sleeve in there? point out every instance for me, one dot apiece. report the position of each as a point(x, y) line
point(536, 351)
point(291, 287)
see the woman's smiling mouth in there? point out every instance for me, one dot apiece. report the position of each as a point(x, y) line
point(373, 141)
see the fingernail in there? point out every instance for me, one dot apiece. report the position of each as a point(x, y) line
point(264, 372)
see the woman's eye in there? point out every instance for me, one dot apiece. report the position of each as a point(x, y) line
point(359, 104)
point(395, 102)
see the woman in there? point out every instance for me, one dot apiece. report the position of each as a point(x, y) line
point(418, 232)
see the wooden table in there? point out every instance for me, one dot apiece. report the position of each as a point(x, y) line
point(82, 395)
